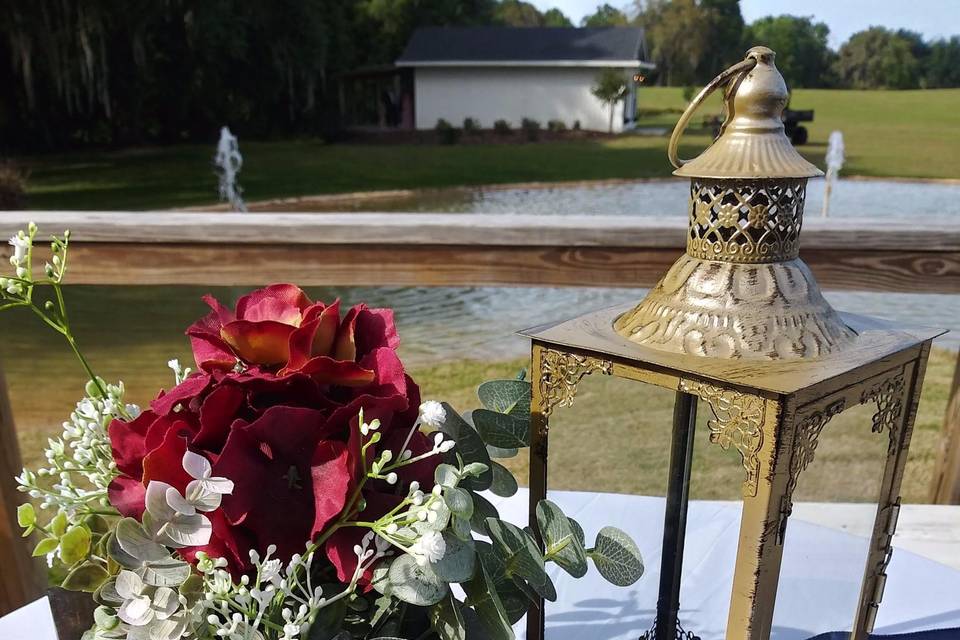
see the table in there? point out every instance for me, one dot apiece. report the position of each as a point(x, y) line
point(819, 585)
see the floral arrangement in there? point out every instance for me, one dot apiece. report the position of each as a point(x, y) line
point(294, 486)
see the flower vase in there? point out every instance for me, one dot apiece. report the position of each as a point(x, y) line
point(72, 612)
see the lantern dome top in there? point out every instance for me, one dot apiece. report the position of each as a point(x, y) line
point(752, 143)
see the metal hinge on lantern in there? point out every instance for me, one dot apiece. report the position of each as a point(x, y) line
point(880, 577)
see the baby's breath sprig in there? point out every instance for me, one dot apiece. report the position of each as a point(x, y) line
point(18, 291)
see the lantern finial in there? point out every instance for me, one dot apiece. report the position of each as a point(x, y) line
point(741, 290)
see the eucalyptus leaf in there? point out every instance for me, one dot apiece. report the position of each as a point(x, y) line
point(135, 542)
point(475, 469)
point(482, 509)
point(118, 555)
point(504, 484)
point(58, 526)
point(515, 602)
point(506, 396)
point(521, 556)
point(461, 528)
point(458, 562)
point(483, 599)
point(469, 446)
point(577, 531)
point(414, 584)
point(45, 546)
point(458, 501)
point(380, 579)
point(560, 539)
point(166, 573)
point(26, 515)
point(500, 452)
point(87, 577)
point(447, 619)
point(502, 430)
point(105, 618)
point(617, 557)
point(446, 475)
point(75, 544)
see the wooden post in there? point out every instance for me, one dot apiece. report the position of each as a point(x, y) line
point(945, 488)
point(20, 581)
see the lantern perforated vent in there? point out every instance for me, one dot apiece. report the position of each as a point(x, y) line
point(747, 221)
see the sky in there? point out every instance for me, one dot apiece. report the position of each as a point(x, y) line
point(932, 18)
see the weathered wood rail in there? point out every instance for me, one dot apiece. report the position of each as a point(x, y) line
point(450, 250)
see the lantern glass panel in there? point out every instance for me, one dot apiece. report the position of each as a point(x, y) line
point(614, 438)
point(827, 537)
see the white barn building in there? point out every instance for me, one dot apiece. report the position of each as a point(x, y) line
point(511, 73)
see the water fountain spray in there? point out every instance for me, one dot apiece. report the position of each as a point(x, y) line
point(834, 164)
point(228, 162)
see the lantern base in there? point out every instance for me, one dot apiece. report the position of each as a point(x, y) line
point(682, 634)
point(767, 311)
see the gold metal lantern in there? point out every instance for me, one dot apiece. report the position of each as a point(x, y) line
point(739, 323)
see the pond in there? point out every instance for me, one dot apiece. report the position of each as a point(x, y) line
point(479, 322)
point(851, 198)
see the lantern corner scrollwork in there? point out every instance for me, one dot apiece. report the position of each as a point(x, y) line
point(561, 372)
point(737, 421)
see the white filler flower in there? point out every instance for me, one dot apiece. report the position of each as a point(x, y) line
point(432, 414)
point(430, 547)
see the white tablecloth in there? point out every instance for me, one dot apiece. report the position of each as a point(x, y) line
point(819, 584)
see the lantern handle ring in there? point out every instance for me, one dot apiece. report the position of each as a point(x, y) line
point(743, 67)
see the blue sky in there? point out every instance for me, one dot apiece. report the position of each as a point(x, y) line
point(932, 18)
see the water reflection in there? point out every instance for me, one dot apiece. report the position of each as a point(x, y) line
point(442, 323)
point(850, 198)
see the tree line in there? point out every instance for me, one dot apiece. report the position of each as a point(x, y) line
point(692, 40)
point(97, 72)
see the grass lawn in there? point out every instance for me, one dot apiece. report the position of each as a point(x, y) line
point(615, 437)
point(888, 133)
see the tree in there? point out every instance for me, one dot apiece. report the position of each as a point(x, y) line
point(943, 64)
point(877, 58)
point(801, 45)
point(555, 18)
point(516, 13)
point(725, 37)
point(605, 16)
point(610, 88)
point(677, 32)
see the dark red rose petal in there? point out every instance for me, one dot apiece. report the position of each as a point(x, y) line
point(219, 410)
point(345, 344)
point(268, 461)
point(128, 443)
point(287, 294)
point(127, 495)
point(183, 393)
point(326, 370)
point(332, 482)
point(375, 329)
point(266, 342)
point(165, 463)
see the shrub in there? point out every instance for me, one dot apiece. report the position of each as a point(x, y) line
point(470, 125)
point(576, 125)
point(502, 127)
point(531, 128)
point(446, 132)
point(13, 187)
point(688, 92)
point(556, 125)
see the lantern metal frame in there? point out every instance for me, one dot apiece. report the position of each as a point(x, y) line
point(772, 414)
point(739, 322)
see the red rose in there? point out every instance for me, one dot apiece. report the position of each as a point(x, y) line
point(285, 433)
point(279, 328)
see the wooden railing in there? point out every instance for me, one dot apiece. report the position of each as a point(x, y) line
point(455, 249)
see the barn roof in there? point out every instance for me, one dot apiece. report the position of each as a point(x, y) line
point(529, 46)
